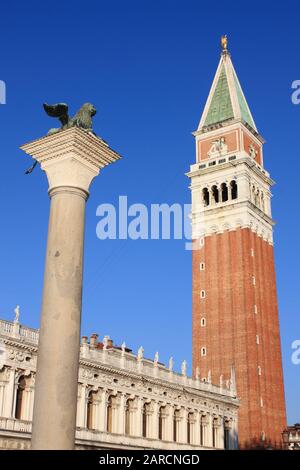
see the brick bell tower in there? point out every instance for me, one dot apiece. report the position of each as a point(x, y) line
point(235, 315)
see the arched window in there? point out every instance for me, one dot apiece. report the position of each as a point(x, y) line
point(145, 411)
point(226, 434)
point(203, 321)
point(160, 419)
point(205, 195)
point(215, 426)
point(202, 430)
point(20, 397)
point(161, 422)
point(215, 193)
point(234, 190)
point(176, 419)
point(90, 408)
point(224, 192)
point(127, 418)
point(109, 415)
point(262, 202)
point(203, 351)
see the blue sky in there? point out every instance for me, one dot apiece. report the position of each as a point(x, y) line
point(147, 66)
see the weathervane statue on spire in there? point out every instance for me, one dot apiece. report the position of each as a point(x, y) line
point(224, 43)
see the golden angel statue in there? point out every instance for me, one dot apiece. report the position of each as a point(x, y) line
point(224, 42)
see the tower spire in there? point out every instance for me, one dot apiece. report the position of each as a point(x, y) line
point(226, 101)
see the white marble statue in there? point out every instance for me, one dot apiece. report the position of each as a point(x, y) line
point(183, 367)
point(218, 147)
point(252, 151)
point(17, 314)
point(156, 357)
point(171, 364)
point(105, 342)
point(140, 353)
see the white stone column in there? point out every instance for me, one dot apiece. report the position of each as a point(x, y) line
point(148, 421)
point(244, 188)
point(9, 395)
point(229, 190)
point(102, 410)
point(208, 431)
point(115, 413)
point(183, 426)
point(96, 412)
point(71, 160)
point(2, 394)
point(194, 431)
point(27, 404)
point(154, 421)
point(32, 397)
point(139, 417)
point(170, 423)
point(221, 434)
point(81, 406)
point(121, 427)
point(268, 207)
point(197, 428)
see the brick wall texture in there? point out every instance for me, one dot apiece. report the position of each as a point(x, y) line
point(242, 328)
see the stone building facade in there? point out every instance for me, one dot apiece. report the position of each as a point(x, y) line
point(235, 313)
point(125, 401)
point(291, 437)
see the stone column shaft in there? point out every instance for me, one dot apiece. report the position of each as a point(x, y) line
point(9, 396)
point(71, 159)
point(58, 359)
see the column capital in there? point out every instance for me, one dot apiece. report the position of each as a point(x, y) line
point(71, 158)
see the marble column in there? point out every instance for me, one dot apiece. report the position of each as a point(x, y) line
point(183, 426)
point(81, 414)
point(8, 409)
point(155, 421)
point(197, 428)
point(103, 410)
point(71, 159)
point(170, 424)
point(139, 417)
point(121, 426)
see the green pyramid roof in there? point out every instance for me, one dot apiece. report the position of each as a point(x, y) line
point(226, 99)
point(245, 113)
point(220, 107)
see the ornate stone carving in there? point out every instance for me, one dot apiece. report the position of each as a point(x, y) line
point(219, 147)
point(252, 151)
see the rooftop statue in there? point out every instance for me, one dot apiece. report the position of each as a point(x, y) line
point(224, 43)
point(82, 119)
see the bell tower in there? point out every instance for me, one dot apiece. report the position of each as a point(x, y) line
point(235, 314)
